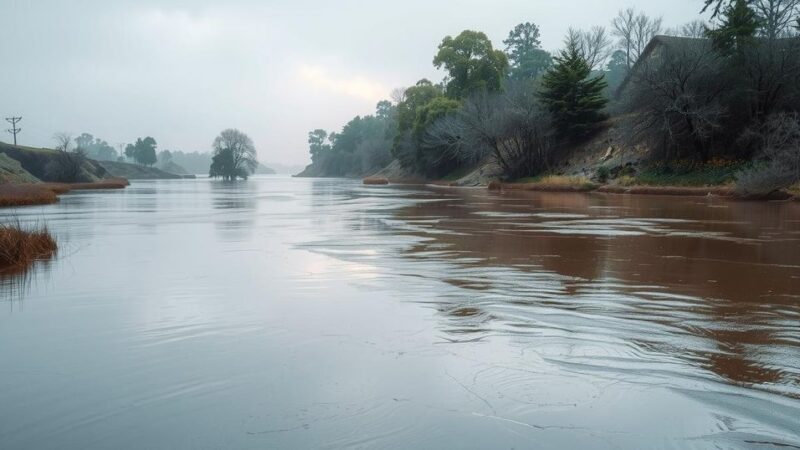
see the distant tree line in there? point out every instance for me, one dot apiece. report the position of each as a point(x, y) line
point(725, 89)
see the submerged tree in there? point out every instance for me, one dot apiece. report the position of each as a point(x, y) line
point(574, 98)
point(234, 156)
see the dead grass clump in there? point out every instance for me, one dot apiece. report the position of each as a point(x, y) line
point(108, 183)
point(21, 247)
point(555, 183)
point(26, 194)
point(375, 181)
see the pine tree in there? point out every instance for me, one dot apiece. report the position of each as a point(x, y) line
point(739, 25)
point(573, 97)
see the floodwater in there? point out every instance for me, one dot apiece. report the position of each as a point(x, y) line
point(295, 313)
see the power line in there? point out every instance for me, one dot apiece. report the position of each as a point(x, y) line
point(14, 130)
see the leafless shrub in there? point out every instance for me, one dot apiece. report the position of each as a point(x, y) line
point(512, 128)
point(674, 100)
point(67, 165)
point(779, 167)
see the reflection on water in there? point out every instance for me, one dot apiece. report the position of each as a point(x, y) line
point(287, 313)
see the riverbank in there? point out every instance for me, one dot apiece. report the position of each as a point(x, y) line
point(560, 183)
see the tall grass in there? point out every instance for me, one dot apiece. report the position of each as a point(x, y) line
point(21, 246)
point(26, 194)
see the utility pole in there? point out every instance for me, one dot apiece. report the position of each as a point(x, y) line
point(14, 130)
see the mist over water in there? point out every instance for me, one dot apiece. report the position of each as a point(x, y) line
point(300, 313)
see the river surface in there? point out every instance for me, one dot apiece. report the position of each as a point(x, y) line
point(297, 313)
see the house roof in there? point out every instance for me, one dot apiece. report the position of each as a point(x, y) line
point(687, 43)
point(656, 42)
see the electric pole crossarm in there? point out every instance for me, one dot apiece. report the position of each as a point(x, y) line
point(14, 129)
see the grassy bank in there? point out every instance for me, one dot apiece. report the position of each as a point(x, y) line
point(20, 247)
point(548, 183)
point(12, 195)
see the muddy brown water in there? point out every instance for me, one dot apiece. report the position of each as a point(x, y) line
point(295, 313)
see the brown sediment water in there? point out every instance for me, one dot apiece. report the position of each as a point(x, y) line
point(298, 313)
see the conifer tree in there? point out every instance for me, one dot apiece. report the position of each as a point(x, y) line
point(739, 25)
point(573, 97)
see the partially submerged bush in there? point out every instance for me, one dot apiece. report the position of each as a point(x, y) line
point(20, 246)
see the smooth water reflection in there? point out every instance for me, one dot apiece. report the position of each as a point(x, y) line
point(287, 313)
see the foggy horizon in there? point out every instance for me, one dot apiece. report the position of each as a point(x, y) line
point(182, 71)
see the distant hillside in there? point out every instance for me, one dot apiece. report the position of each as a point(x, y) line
point(264, 170)
point(34, 162)
point(11, 171)
point(172, 167)
point(136, 172)
point(198, 164)
point(289, 169)
point(20, 164)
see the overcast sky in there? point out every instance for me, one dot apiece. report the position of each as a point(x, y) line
point(181, 71)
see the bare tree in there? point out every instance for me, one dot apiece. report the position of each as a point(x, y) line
point(67, 165)
point(693, 29)
point(675, 101)
point(63, 141)
point(594, 45)
point(645, 29)
point(776, 16)
point(634, 30)
point(779, 141)
point(623, 29)
point(512, 128)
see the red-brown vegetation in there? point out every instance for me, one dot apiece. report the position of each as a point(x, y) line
point(21, 247)
point(46, 193)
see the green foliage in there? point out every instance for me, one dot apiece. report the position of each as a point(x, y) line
point(318, 143)
point(222, 165)
point(433, 160)
point(416, 97)
point(434, 110)
point(528, 60)
point(616, 70)
point(96, 148)
point(472, 64)
point(691, 173)
point(738, 27)
point(143, 151)
point(363, 145)
point(164, 156)
point(409, 127)
point(603, 173)
point(574, 98)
